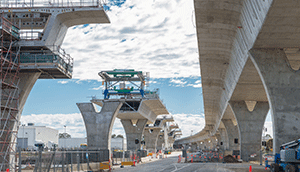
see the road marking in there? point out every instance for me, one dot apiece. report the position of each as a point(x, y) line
point(175, 166)
point(181, 168)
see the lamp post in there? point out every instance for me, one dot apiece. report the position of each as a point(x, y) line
point(23, 145)
point(65, 135)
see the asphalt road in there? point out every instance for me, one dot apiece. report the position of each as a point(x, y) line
point(170, 165)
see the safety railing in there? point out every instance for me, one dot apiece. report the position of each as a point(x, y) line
point(54, 55)
point(50, 3)
point(7, 26)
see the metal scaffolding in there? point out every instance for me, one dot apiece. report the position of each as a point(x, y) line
point(9, 92)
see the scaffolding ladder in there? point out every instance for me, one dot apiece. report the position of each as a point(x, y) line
point(9, 93)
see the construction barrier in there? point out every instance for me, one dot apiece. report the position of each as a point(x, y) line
point(129, 163)
point(104, 165)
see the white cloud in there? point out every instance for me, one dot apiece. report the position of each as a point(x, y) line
point(63, 82)
point(188, 122)
point(98, 88)
point(178, 82)
point(153, 36)
point(74, 122)
point(195, 85)
point(76, 127)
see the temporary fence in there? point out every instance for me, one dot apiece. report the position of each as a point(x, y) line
point(204, 156)
point(128, 157)
point(62, 161)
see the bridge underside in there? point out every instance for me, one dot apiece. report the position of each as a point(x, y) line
point(242, 44)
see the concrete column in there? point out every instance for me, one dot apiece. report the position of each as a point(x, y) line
point(160, 141)
point(133, 132)
point(281, 83)
point(151, 138)
point(166, 139)
point(201, 145)
point(232, 133)
point(99, 124)
point(250, 126)
point(194, 146)
point(224, 139)
point(26, 83)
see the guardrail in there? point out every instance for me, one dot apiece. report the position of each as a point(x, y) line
point(54, 55)
point(50, 3)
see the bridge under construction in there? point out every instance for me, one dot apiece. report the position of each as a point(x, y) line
point(32, 33)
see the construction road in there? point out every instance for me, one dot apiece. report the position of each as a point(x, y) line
point(170, 165)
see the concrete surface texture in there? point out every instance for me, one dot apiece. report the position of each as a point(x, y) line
point(99, 124)
point(228, 33)
point(160, 141)
point(232, 134)
point(151, 138)
point(63, 18)
point(149, 108)
point(250, 124)
point(282, 87)
point(134, 132)
point(224, 139)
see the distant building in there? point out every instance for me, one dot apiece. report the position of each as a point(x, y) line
point(31, 134)
point(116, 143)
point(71, 142)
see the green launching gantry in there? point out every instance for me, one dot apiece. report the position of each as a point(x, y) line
point(123, 76)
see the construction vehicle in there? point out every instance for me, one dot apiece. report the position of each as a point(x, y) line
point(288, 160)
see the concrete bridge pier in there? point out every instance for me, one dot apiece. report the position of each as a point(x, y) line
point(232, 134)
point(194, 146)
point(151, 138)
point(201, 145)
point(99, 124)
point(134, 132)
point(160, 141)
point(281, 84)
point(223, 139)
point(250, 125)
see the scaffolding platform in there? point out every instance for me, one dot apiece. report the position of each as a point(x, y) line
point(9, 30)
point(53, 62)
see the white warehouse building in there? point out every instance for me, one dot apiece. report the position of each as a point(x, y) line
point(116, 143)
point(30, 135)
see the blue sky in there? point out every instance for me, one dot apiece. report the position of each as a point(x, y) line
point(156, 36)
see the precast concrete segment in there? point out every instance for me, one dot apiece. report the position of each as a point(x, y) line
point(226, 30)
point(99, 124)
point(151, 138)
point(282, 86)
point(232, 134)
point(63, 18)
point(250, 126)
point(26, 83)
point(134, 132)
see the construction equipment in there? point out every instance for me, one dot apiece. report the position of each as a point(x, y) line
point(134, 80)
point(288, 159)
